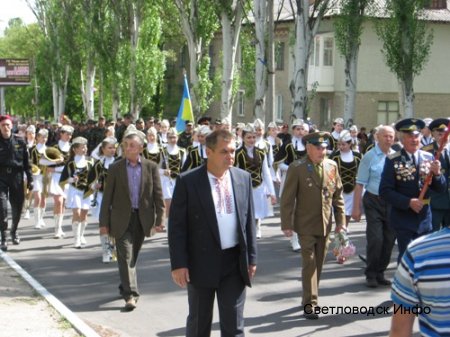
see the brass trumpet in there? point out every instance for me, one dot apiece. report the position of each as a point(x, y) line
point(35, 170)
point(53, 155)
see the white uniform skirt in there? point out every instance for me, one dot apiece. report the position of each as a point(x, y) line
point(167, 185)
point(54, 187)
point(348, 202)
point(75, 199)
point(37, 183)
point(96, 209)
point(261, 202)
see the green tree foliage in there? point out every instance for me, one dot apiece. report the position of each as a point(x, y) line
point(406, 45)
point(406, 41)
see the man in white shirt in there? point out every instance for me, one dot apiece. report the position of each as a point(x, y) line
point(212, 238)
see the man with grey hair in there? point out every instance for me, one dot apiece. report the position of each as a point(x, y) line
point(132, 206)
point(379, 235)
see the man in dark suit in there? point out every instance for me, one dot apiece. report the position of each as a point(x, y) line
point(132, 206)
point(403, 178)
point(212, 238)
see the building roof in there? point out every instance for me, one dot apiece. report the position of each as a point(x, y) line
point(284, 12)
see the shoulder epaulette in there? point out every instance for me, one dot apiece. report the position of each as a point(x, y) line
point(299, 162)
point(394, 155)
point(428, 148)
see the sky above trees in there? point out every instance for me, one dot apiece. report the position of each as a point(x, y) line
point(13, 9)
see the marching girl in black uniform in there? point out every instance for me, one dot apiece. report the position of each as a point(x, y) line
point(275, 143)
point(348, 162)
point(36, 154)
point(173, 158)
point(254, 160)
point(30, 140)
point(96, 182)
point(163, 132)
point(152, 151)
point(55, 168)
point(75, 174)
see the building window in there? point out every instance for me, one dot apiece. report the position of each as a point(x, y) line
point(240, 103)
point(317, 52)
point(328, 43)
point(436, 4)
point(388, 112)
point(279, 108)
point(279, 56)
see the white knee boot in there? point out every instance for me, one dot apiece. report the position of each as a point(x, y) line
point(258, 228)
point(76, 229)
point(37, 217)
point(106, 248)
point(58, 226)
point(82, 229)
point(294, 242)
point(41, 217)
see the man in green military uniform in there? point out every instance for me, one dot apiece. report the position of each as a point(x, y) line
point(185, 137)
point(312, 193)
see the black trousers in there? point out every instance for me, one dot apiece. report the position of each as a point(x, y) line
point(230, 299)
point(380, 237)
point(12, 189)
point(440, 218)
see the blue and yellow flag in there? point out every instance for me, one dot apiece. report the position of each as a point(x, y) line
point(185, 111)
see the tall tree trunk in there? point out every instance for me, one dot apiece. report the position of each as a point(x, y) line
point(55, 97)
point(231, 28)
point(299, 84)
point(134, 35)
point(408, 97)
point(270, 95)
point(90, 78)
point(261, 61)
point(194, 44)
point(115, 100)
point(401, 98)
point(100, 95)
point(351, 65)
point(63, 91)
point(407, 77)
point(307, 21)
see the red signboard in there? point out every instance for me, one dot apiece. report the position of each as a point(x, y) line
point(14, 72)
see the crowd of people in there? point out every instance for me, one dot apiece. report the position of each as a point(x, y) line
point(397, 175)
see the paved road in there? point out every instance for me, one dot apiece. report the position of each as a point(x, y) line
point(89, 288)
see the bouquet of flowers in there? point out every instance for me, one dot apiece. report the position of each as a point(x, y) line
point(343, 248)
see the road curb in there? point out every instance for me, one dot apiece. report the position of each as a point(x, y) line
point(78, 324)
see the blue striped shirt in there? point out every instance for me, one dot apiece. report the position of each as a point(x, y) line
point(423, 278)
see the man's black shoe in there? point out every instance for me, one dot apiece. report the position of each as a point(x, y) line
point(371, 283)
point(3, 245)
point(311, 315)
point(383, 282)
point(15, 238)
